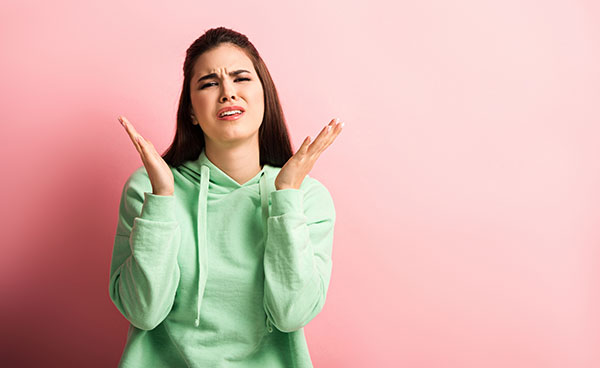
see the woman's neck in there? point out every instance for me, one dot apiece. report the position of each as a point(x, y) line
point(241, 162)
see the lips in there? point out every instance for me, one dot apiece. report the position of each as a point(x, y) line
point(229, 108)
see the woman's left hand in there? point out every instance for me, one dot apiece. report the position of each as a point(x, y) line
point(299, 165)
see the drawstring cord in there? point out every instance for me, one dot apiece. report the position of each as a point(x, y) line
point(202, 237)
point(202, 230)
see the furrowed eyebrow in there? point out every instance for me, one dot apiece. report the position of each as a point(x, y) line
point(214, 75)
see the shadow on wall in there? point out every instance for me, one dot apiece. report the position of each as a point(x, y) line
point(57, 311)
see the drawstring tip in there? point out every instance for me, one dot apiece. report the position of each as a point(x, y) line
point(197, 322)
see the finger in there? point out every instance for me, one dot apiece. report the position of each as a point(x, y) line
point(320, 141)
point(149, 148)
point(142, 143)
point(336, 128)
point(331, 127)
point(304, 147)
point(323, 133)
point(131, 131)
point(149, 153)
point(133, 134)
point(335, 131)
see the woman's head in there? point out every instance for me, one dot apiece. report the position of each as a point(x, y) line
point(221, 52)
point(224, 77)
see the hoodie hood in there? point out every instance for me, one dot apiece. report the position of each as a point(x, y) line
point(215, 180)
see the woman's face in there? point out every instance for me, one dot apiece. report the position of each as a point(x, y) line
point(226, 86)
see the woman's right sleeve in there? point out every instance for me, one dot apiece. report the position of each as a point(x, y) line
point(144, 272)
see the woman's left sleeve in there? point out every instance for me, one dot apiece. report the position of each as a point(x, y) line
point(297, 260)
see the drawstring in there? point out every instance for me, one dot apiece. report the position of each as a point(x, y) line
point(202, 236)
point(264, 189)
point(264, 201)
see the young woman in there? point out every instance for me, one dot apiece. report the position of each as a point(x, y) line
point(223, 246)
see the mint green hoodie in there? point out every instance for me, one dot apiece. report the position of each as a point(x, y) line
point(220, 274)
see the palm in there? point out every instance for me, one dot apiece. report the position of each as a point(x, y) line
point(158, 171)
point(299, 165)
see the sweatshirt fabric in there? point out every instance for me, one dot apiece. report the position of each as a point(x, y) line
point(220, 274)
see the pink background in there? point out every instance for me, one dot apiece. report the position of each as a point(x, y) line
point(466, 180)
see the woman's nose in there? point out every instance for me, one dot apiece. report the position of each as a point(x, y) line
point(228, 91)
point(225, 97)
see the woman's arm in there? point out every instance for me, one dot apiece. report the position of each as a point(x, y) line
point(297, 260)
point(144, 273)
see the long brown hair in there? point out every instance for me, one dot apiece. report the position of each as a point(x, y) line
point(273, 137)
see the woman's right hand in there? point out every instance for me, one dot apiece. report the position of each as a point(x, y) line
point(159, 172)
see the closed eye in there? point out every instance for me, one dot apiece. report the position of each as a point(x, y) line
point(213, 83)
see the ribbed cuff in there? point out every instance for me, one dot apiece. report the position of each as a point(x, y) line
point(286, 200)
point(158, 207)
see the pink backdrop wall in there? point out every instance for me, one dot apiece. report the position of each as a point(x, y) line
point(466, 180)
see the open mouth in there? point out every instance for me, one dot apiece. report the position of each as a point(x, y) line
point(230, 115)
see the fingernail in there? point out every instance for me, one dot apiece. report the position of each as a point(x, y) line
point(329, 128)
point(139, 139)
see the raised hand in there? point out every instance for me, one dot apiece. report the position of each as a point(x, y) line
point(159, 172)
point(299, 165)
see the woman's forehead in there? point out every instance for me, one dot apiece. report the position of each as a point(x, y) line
point(223, 59)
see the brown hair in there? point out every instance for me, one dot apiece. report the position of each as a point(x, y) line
point(274, 142)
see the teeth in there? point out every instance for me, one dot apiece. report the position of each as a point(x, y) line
point(231, 112)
